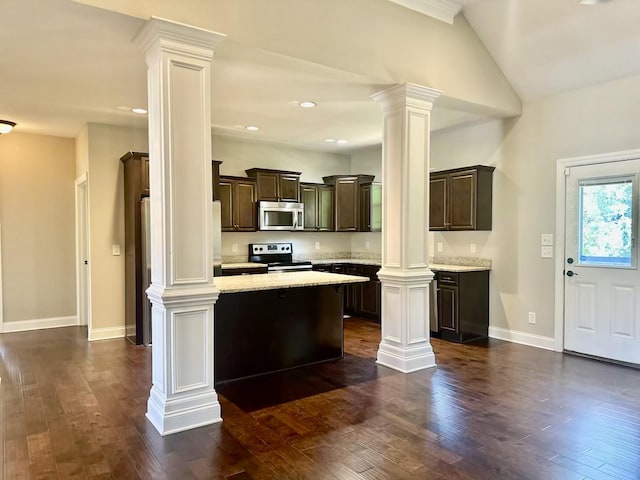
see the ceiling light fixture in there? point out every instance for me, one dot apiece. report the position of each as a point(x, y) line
point(330, 140)
point(592, 2)
point(6, 126)
point(342, 141)
point(307, 104)
point(140, 111)
point(252, 128)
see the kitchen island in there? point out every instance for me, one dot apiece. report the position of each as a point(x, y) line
point(270, 322)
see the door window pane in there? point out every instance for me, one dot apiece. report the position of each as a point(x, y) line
point(606, 222)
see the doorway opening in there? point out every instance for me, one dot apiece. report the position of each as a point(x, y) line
point(83, 278)
point(597, 306)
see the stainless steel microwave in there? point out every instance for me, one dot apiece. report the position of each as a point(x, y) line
point(280, 216)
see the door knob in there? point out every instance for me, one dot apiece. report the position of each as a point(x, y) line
point(571, 274)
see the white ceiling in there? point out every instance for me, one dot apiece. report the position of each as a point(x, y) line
point(63, 64)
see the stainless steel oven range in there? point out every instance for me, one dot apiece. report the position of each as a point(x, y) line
point(279, 257)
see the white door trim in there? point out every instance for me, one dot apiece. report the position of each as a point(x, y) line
point(561, 165)
point(83, 292)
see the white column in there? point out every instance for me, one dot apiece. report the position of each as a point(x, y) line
point(405, 274)
point(179, 61)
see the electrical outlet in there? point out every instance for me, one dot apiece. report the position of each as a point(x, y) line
point(546, 252)
point(440, 247)
point(234, 247)
point(472, 248)
point(367, 245)
point(115, 250)
point(532, 318)
point(546, 239)
point(317, 245)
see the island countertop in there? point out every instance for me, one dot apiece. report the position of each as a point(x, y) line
point(272, 281)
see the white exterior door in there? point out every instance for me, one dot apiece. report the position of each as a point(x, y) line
point(602, 282)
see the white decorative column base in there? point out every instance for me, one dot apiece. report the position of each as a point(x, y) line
point(405, 331)
point(182, 396)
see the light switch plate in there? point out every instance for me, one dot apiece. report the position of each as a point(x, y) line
point(546, 252)
point(472, 248)
point(234, 247)
point(115, 250)
point(546, 239)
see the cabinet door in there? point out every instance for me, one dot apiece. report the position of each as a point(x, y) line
point(145, 175)
point(325, 208)
point(309, 197)
point(245, 206)
point(289, 188)
point(347, 200)
point(438, 202)
point(370, 297)
point(448, 308)
point(353, 292)
point(365, 208)
point(268, 186)
point(462, 190)
point(226, 205)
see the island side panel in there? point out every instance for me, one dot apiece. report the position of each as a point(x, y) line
point(265, 331)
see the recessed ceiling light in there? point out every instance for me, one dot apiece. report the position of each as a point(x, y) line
point(330, 140)
point(307, 104)
point(252, 128)
point(124, 108)
point(140, 111)
point(592, 2)
point(6, 126)
point(342, 141)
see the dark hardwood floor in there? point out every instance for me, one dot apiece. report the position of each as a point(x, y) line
point(70, 409)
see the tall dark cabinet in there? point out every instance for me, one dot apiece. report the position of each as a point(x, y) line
point(136, 187)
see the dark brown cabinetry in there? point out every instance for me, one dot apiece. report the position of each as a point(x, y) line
point(318, 200)
point(461, 199)
point(136, 187)
point(463, 305)
point(238, 204)
point(276, 185)
point(371, 207)
point(361, 299)
point(347, 200)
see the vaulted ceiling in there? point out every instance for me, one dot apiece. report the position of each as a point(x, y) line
point(65, 63)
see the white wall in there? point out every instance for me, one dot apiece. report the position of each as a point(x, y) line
point(37, 175)
point(239, 155)
point(368, 161)
point(598, 119)
point(106, 144)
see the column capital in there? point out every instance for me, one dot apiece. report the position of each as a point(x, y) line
point(159, 33)
point(406, 94)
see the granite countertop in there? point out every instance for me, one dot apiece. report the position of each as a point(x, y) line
point(272, 281)
point(439, 267)
point(231, 266)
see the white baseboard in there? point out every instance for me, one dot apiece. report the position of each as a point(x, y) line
point(106, 333)
point(530, 339)
point(39, 323)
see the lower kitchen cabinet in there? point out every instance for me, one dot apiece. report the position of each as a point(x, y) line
point(360, 299)
point(463, 305)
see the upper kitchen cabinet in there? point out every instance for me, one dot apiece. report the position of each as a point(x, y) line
point(460, 199)
point(348, 200)
point(371, 207)
point(318, 200)
point(238, 204)
point(276, 185)
point(215, 178)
